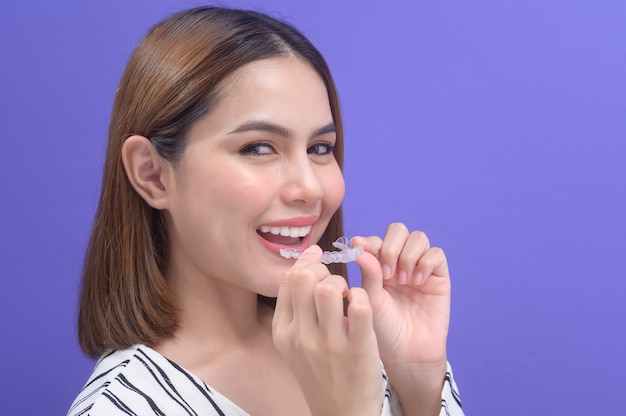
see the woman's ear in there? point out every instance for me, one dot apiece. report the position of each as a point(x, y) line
point(145, 170)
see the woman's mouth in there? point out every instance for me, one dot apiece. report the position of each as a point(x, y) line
point(284, 235)
point(291, 233)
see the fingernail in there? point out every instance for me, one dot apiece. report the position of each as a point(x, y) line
point(386, 272)
point(403, 277)
point(419, 279)
point(360, 241)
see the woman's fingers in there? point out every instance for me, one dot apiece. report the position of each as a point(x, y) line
point(389, 253)
point(405, 256)
point(329, 295)
point(396, 251)
point(371, 276)
point(283, 312)
point(432, 263)
point(415, 247)
point(360, 324)
point(321, 344)
point(303, 277)
point(292, 304)
point(310, 302)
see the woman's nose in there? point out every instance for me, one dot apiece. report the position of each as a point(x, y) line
point(302, 184)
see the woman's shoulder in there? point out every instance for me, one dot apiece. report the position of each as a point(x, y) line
point(139, 380)
point(105, 385)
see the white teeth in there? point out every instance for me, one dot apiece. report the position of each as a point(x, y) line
point(287, 231)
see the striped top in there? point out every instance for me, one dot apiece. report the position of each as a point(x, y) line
point(140, 381)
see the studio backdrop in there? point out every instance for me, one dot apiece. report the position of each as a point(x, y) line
point(497, 127)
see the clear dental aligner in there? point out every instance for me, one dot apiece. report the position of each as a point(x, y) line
point(346, 255)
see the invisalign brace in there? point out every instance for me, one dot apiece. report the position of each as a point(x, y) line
point(346, 255)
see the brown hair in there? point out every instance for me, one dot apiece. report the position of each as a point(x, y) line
point(171, 80)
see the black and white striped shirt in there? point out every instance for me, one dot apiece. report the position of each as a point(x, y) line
point(140, 381)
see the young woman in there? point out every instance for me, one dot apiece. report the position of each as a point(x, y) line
point(225, 146)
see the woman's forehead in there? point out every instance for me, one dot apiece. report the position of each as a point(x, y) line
point(285, 91)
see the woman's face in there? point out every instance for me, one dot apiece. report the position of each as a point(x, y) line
point(258, 174)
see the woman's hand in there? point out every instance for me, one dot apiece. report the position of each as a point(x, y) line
point(335, 358)
point(408, 284)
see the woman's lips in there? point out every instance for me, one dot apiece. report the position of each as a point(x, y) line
point(293, 222)
point(292, 233)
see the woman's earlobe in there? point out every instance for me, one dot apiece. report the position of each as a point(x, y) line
point(144, 169)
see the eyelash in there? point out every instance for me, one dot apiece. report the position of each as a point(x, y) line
point(253, 149)
point(328, 148)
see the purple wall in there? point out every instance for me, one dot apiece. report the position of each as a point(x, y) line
point(498, 127)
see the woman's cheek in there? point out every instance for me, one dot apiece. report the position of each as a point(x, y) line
point(335, 187)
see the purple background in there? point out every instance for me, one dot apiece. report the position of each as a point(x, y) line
point(498, 127)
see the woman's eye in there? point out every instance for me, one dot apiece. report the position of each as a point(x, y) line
point(257, 149)
point(321, 149)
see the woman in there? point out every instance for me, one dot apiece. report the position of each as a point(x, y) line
point(225, 146)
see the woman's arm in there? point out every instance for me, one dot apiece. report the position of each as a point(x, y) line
point(448, 404)
point(408, 284)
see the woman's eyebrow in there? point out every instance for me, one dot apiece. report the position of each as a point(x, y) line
point(279, 130)
point(329, 128)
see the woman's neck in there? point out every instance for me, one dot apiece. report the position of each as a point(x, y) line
point(213, 315)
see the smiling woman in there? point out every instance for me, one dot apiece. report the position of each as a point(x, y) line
point(225, 147)
point(232, 181)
